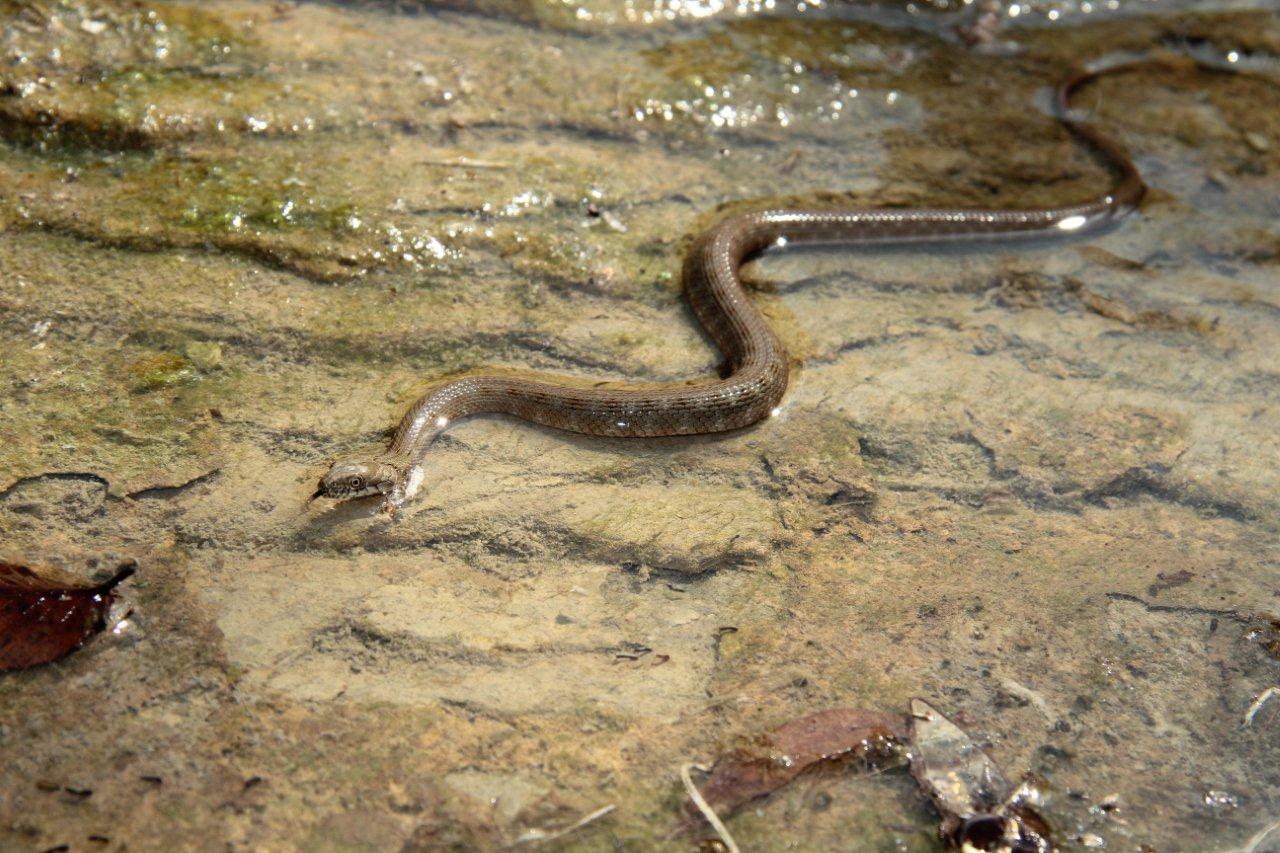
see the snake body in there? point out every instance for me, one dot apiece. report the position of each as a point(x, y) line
point(756, 365)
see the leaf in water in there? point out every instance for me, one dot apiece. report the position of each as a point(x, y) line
point(41, 619)
point(979, 811)
point(959, 777)
point(787, 751)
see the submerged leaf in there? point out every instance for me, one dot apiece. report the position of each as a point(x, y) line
point(959, 777)
point(979, 811)
point(41, 619)
point(787, 751)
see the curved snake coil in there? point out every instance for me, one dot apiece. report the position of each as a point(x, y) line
point(756, 375)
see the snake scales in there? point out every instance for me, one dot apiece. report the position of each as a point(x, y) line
point(756, 374)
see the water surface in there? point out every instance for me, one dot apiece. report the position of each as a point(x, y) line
point(1034, 484)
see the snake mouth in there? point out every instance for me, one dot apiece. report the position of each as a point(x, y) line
point(344, 496)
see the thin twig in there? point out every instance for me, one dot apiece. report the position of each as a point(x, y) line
point(707, 813)
point(1262, 699)
point(1252, 845)
point(465, 163)
point(535, 836)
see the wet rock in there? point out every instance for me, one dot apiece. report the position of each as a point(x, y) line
point(247, 242)
point(507, 795)
point(732, 528)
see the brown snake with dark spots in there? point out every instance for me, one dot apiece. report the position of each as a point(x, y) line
point(756, 374)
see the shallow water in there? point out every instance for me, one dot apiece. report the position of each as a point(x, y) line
point(1034, 484)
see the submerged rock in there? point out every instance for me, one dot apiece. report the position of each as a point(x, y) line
point(1035, 480)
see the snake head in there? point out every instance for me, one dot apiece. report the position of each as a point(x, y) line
point(347, 480)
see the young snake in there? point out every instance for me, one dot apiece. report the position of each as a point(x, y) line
point(756, 363)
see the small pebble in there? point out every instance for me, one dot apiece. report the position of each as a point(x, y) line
point(1257, 142)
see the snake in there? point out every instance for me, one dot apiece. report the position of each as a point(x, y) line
point(756, 366)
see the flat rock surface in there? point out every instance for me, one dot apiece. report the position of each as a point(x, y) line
point(1035, 484)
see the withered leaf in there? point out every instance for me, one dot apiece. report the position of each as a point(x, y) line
point(959, 777)
point(42, 619)
point(1169, 581)
point(978, 809)
point(784, 753)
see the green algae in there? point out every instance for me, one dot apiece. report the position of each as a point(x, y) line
point(143, 79)
point(120, 75)
point(298, 369)
point(152, 372)
point(148, 201)
point(138, 417)
point(139, 407)
point(238, 196)
point(176, 361)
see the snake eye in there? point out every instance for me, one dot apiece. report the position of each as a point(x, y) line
point(356, 482)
